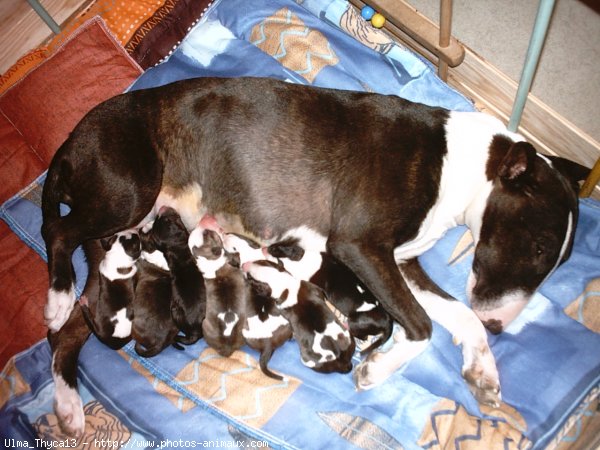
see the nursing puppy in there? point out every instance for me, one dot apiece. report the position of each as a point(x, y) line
point(265, 329)
point(153, 327)
point(344, 290)
point(110, 315)
point(325, 346)
point(226, 292)
point(247, 249)
point(188, 302)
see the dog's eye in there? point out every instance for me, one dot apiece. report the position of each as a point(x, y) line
point(539, 247)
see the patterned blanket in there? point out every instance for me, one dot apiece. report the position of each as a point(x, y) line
point(548, 359)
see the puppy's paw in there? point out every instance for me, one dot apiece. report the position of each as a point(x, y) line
point(58, 308)
point(69, 409)
point(481, 375)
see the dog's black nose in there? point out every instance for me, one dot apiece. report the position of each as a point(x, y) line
point(494, 326)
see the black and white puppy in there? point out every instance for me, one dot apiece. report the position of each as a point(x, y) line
point(188, 303)
point(325, 346)
point(265, 329)
point(366, 317)
point(110, 314)
point(226, 292)
point(153, 327)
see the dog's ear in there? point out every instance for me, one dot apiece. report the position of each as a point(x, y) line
point(234, 259)
point(147, 242)
point(517, 164)
point(259, 287)
point(285, 249)
point(571, 170)
point(108, 242)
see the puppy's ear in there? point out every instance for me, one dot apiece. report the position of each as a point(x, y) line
point(107, 243)
point(284, 296)
point(286, 249)
point(233, 259)
point(147, 241)
point(571, 170)
point(258, 287)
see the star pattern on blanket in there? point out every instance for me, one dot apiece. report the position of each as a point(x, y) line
point(235, 385)
point(11, 383)
point(301, 49)
point(586, 308)
point(450, 422)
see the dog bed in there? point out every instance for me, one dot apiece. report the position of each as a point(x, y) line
point(548, 358)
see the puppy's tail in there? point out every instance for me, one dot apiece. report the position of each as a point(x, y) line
point(265, 357)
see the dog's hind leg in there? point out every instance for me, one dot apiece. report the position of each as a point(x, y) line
point(479, 365)
point(98, 208)
point(66, 345)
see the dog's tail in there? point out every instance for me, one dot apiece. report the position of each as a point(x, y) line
point(265, 357)
point(54, 194)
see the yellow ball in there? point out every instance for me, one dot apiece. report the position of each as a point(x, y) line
point(377, 20)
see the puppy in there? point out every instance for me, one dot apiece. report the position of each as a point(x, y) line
point(366, 317)
point(110, 315)
point(188, 302)
point(325, 346)
point(247, 249)
point(153, 327)
point(265, 329)
point(226, 292)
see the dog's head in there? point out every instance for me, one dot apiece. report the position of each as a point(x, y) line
point(526, 230)
point(270, 279)
point(207, 248)
point(168, 230)
point(122, 251)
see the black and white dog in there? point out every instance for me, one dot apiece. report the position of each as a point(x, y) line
point(226, 292)
point(325, 345)
point(344, 290)
point(110, 315)
point(377, 195)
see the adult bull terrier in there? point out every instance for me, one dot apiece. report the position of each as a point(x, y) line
point(379, 178)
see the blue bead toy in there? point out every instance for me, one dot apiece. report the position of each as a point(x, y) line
point(367, 12)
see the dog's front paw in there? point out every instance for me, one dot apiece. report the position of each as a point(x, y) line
point(69, 410)
point(384, 361)
point(481, 375)
point(58, 308)
point(366, 375)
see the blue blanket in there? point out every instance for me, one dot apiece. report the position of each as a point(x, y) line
point(548, 359)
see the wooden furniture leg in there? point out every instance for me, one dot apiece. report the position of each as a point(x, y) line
point(445, 33)
point(591, 181)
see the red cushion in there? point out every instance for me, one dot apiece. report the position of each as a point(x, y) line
point(38, 113)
